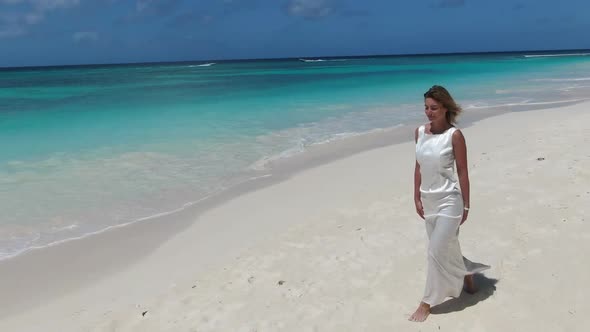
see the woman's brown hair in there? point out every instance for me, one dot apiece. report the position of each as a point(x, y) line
point(441, 95)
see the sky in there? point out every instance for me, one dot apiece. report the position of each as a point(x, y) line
point(61, 32)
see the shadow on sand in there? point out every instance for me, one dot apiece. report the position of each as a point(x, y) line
point(486, 287)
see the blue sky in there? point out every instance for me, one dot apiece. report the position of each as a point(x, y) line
point(57, 32)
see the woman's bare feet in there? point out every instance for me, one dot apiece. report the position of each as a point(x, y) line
point(421, 313)
point(470, 284)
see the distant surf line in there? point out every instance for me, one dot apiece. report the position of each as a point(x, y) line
point(322, 60)
point(203, 65)
point(554, 55)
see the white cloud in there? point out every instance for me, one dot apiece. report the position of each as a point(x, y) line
point(310, 8)
point(82, 36)
point(54, 4)
point(12, 25)
point(11, 31)
point(450, 3)
point(142, 4)
point(33, 18)
point(9, 18)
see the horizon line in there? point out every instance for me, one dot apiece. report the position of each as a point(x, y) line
point(4, 68)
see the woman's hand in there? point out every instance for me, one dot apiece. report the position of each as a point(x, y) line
point(465, 213)
point(419, 208)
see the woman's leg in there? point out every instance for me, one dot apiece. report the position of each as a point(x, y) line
point(446, 270)
point(423, 309)
point(469, 284)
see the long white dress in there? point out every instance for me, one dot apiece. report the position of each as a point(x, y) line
point(443, 210)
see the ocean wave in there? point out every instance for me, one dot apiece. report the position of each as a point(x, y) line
point(322, 60)
point(83, 191)
point(554, 55)
point(264, 162)
point(18, 252)
point(37, 236)
point(569, 88)
point(578, 79)
point(524, 103)
point(203, 65)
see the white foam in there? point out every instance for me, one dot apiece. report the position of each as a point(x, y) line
point(578, 79)
point(569, 88)
point(312, 60)
point(184, 206)
point(68, 228)
point(203, 65)
point(264, 162)
point(554, 55)
point(526, 103)
point(4, 256)
point(322, 60)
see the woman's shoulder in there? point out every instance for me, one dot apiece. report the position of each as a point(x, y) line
point(457, 134)
point(419, 131)
point(421, 128)
point(455, 131)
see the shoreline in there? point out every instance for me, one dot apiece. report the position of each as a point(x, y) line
point(315, 155)
point(284, 168)
point(50, 274)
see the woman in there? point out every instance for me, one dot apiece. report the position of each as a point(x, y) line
point(440, 202)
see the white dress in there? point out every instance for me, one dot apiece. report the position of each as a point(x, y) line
point(443, 210)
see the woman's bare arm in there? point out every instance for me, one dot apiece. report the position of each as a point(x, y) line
point(460, 150)
point(417, 183)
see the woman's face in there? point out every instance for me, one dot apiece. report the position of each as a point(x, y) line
point(434, 110)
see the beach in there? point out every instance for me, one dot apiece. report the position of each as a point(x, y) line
point(90, 148)
point(337, 246)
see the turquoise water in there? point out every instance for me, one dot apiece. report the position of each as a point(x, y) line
point(87, 148)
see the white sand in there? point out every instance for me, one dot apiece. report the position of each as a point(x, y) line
point(339, 247)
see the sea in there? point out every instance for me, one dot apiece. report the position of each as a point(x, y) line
point(84, 149)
